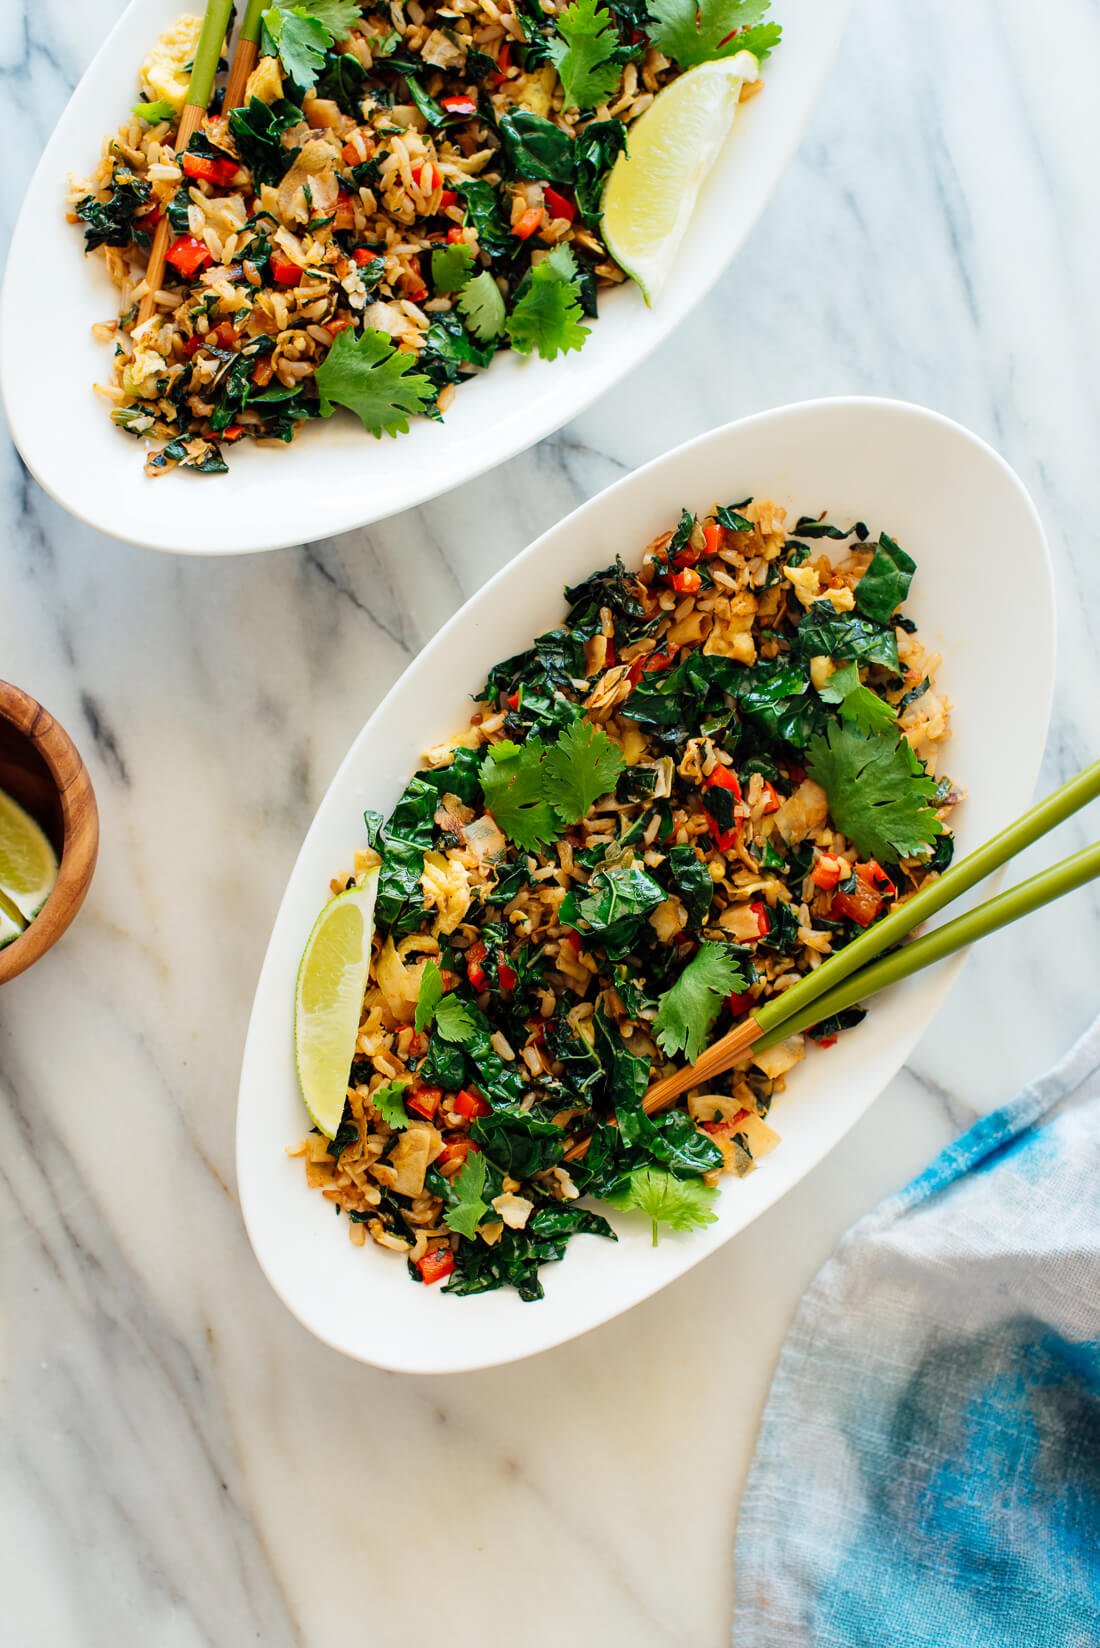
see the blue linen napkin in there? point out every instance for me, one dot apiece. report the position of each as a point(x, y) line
point(928, 1468)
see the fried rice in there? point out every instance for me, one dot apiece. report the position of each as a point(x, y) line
point(707, 671)
point(306, 214)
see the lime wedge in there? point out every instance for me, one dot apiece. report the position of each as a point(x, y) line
point(28, 864)
point(332, 978)
point(651, 191)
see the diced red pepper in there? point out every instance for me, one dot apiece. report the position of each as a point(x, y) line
point(875, 876)
point(447, 199)
point(458, 105)
point(712, 538)
point(861, 905)
point(454, 236)
point(224, 334)
point(506, 975)
point(188, 255)
point(471, 1105)
point(512, 699)
point(739, 1002)
point(205, 169)
point(232, 432)
point(436, 1263)
point(827, 872)
point(649, 664)
point(723, 778)
point(685, 582)
point(424, 1101)
point(573, 939)
point(528, 223)
point(350, 155)
point(609, 656)
point(149, 218)
point(362, 255)
point(771, 799)
point(427, 176)
point(193, 345)
point(455, 1152)
point(763, 919)
point(796, 773)
point(827, 1041)
point(560, 205)
point(504, 63)
point(724, 1125)
point(475, 972)
point(263, 371)
point(343, 217)
point(284, 271)
point(339, 324)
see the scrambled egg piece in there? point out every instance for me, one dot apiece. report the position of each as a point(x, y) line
point(446, 885)
point(806, 583)
point(166, 70)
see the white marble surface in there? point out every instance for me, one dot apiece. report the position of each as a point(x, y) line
point(180, 1464)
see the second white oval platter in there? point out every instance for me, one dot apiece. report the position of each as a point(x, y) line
point(334, 477)
point(983, 596)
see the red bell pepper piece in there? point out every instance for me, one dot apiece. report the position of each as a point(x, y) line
point(739, 1002)
point(471, 1105)
point(475, 972)
point(827, 1041)
point(796, 773)
point(232, 432)
point(447, 198)
point(648, 664)
point(424, 1101)
point(827, 872)
point(573, 938)
point(436, 1263)
point(861, 905)
point(712, 538)
point(362, 255)
point(528, 223)
point(763, 919)
point(506, 975)
point(771, 799)
point(205, 169)
point(458, 105)
point(284, 271)
point(504, 63)
point(188, 255)
point(560, 205)
point(685, 582)
point(875, 876)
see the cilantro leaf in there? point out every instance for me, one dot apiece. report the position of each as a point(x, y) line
point(512, 781)
point(580, 766)
point(885, 584)
point(692, 33)
point(583, 51)
point(300, 41)
point(364, 372)
point(430, 995)
point(682, 1204)
point(482, 306)
point(856, 702)
point(686, 1013)
point(547, 314)
point(390, 1105)
point(467, 1211)
point(153, 113)
point(454, 1021)
point(878, 791)
point(339, 17)
point(451, 266)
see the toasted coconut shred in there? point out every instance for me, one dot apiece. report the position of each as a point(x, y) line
point(701, 680)
point(306, 214)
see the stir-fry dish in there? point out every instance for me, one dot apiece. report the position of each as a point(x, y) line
point(715, 772)
point(406, 189)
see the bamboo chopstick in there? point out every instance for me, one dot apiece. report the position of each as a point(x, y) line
point(1073, 872)
point(931, 898)
point(203, 69)
point(245, 55)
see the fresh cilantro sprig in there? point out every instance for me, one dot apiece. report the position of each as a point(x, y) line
point(856, 702)
point(390, 1104)
point(681, 1204)
point(466, 1213)
point(583, 52)
point(686, 1013)
point(303, 33)
point(547, 315)
point(452, 266)
point(482, 307)
point(364, 372)
point(692, 33)
point(451, 1017)
point(879, 792)
point(535, 792)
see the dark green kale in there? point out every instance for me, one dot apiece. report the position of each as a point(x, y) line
point(258, 131)
point(110, 222)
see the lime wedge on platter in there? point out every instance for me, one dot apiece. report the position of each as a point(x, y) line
point(652, 189)
point(332, 978)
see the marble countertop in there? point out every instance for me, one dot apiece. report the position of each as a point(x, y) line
point(180, 1463)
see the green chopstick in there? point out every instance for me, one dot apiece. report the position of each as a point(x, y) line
point(208, 52)
point(932, 897)
point(1066, 877)
point(250, 23)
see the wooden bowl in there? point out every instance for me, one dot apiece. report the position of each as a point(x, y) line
point(42, 770)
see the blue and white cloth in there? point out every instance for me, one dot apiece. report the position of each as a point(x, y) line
point(928, 1469)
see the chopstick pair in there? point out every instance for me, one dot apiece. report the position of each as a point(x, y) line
point(846, 978)
point(208, 52)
